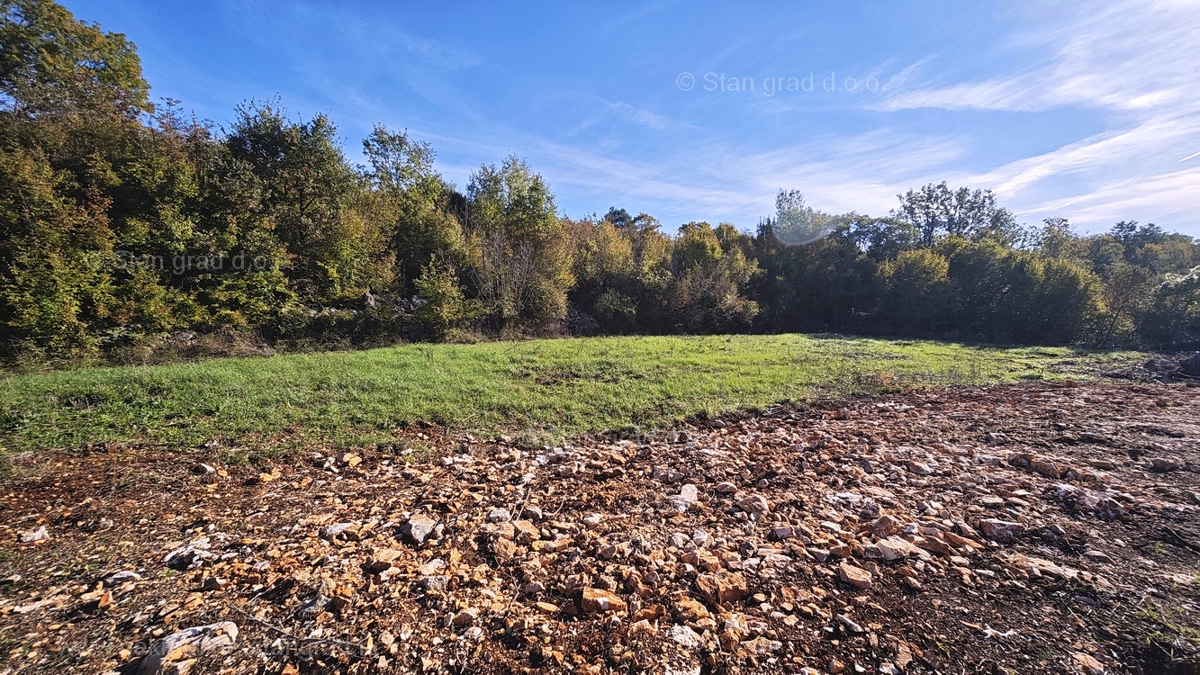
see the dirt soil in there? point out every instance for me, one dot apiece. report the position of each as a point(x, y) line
point(1042, 527)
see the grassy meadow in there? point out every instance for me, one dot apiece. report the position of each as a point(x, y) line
point(545, 388)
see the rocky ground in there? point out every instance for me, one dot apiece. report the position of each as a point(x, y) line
point(1046, 527)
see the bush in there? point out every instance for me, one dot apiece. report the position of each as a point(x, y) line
point(1173, 319)
point(443, 308)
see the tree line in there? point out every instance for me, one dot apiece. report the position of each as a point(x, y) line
point(128, 229)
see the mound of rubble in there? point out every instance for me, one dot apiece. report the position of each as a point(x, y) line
point(1033, 528)
point(1178, 368)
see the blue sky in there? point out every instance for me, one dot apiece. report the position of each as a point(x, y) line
point(704, 110)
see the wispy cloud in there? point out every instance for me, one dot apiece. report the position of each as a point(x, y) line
point(1133, 63)
point(1139, 150)
point(1109, 93)
point(1132, 56)
point(1136, 63)
point(642, 116)
point(1165, 196)
point(720, 182)
point(437, 53)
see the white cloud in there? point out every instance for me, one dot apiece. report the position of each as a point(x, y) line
point(1134, 64)
point(720, 182)
point(1140, 149)
point(641, 116)
point(1163, 197)
point(1137, 64)
point(1124, 56)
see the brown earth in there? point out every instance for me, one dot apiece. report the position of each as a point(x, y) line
point(1008, 529)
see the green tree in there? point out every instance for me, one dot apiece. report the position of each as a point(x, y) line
point(49, 61)
point(1009, 295)
point(51, 289)
point(829, 284)
point(605, 273)
point(1173, 317)
point(705, 293)
point(520, 258)
point(937, 209)
point(85, 180)
point(1057, 239)
point(444, 307)
point(917, 296)
point(314, 199)
point(413, 201)
point(1127, 292)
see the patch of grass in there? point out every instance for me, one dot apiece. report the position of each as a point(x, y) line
point(545, 388)
point(1046, 655)
point(1169, 624)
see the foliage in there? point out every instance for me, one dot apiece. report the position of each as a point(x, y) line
point(52, 62)
point(411, 200)
point(443, 308)
point(916, 294)
point(709, 270)
point(938, 209)
point(1173, 316)
point(124, 226)
point(519, 257)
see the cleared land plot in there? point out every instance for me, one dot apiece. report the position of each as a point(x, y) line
point(1044, 527)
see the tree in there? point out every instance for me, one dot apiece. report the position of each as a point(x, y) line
point(796, 223)
point(1063, 303)
point(444, 309)
point(1173, 318)
point(917, 297)
point(937, 209)
point(48, 284)
point(618, 217)
point(84, 178)
point(51, 61)
point(881, 238)
point(1127, 292)
point(705, 292)
point(1009, 295)
point(603, 268)
point(313, 197)
point(830, 284)
point(520, 260)
point(1057, 239)
point(412, 200)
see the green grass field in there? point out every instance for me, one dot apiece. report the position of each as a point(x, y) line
point(548, 388)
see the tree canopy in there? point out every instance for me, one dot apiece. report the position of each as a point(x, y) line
point(129, 231)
